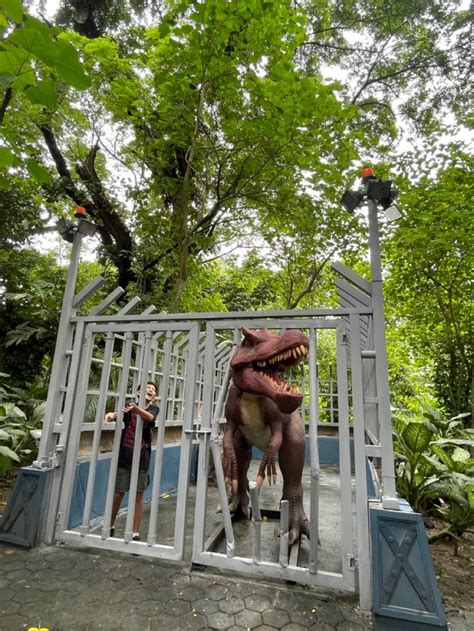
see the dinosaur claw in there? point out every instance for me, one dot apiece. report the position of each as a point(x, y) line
point(293, 536)
point(260, 480)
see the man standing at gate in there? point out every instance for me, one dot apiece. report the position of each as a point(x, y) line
point(124, 470)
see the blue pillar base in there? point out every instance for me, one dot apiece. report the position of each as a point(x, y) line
point(405, 592)
point(23, 517)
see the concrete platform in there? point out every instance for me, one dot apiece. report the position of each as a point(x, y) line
point(330, 557)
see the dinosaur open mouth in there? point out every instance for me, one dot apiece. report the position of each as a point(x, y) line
point(269, 369)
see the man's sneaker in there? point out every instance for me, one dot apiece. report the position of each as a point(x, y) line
point(112, 531)
point(136, 538)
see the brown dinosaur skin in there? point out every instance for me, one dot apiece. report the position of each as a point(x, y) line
point(262, 410)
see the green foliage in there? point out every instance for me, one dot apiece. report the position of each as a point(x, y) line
point(430, 258)
point(21, 415)
point(434, 466)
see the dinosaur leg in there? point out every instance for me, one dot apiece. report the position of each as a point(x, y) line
point(291, 461)
point(243, 451)
point(268, 461)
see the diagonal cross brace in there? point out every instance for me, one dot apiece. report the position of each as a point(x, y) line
point(401, 562)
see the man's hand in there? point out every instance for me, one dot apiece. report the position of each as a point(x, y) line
point(132, 407)
point(110, 417)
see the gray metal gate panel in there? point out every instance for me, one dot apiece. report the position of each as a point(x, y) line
point(148, 333)
point(208, 444)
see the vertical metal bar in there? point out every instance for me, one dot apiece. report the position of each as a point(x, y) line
point(123, 384)
point(314, 453)
point(99, 416)
point(57, 371)
point(160, 423)
point(365, 593)
point(257, 523)
point(331, 395)
point(284, 535)
point(75, 434)
point(381, 368)
point(137, 446)
point(347, 540)
point(229, 531)
point(186, 444)
point(69, 406)
point(203, 460)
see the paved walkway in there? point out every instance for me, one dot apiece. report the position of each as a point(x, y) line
point(60, 588)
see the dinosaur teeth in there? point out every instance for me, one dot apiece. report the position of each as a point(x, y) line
point(262, 364)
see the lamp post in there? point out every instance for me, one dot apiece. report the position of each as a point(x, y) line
point(74, 234)
point(376, 192)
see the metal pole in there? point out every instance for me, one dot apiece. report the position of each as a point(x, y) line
point(53, 402)
point(389, 497)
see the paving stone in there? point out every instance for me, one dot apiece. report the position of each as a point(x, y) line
point(28, 595)
point(220, 620)
point(354, 617)
point(217, 592)
point(331, 615)
point(13, 622)
point(156, 610)
point(177, 607)
point(181, 580)
point(275, 618)
point(265, 627)
point(8, 607)
point(6, 595)
point(304, 617)
point(121, 571)
point(193, 621)
point(231, 605)
point(191, 593)
point(205, 606)
point(4, 583)
point(242, 590)
point(248, 619)
point(164, 594)
point(257, 603)
point(200, 581)
point(20, 575)
point(237, 627)
point(293, 626)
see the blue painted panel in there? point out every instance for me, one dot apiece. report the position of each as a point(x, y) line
point(403, 578)
point(169, 482)
point(24, 510)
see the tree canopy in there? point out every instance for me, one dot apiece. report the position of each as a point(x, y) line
point(211, 141)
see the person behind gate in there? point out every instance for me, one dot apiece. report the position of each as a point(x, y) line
point(124, 470)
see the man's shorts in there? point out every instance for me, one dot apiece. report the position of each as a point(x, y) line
point(122, 481)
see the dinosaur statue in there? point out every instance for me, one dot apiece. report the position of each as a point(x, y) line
point(262, 410)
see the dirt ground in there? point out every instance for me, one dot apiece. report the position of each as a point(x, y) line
point(454, 573)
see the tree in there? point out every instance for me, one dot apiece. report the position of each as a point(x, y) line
point(430, 260)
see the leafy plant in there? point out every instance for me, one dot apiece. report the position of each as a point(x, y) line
point(20, 415)
point(434, 468)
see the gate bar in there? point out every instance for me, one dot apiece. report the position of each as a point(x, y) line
point(284, 525)
point(257, 522)
point(126, 353)
point(160, 423)
point(313, 445)
point(99, 416)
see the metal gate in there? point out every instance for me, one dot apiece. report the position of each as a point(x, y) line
point(190, 365)
point(109, 361)
point(286, 565)
point(101, 359)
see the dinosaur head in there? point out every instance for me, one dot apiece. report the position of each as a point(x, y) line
point(258, 361)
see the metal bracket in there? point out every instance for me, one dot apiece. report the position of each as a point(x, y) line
point(351, 562)
point(58, 456)
point(390, 503)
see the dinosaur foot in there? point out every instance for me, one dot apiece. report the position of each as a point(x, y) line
point(299, 523)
